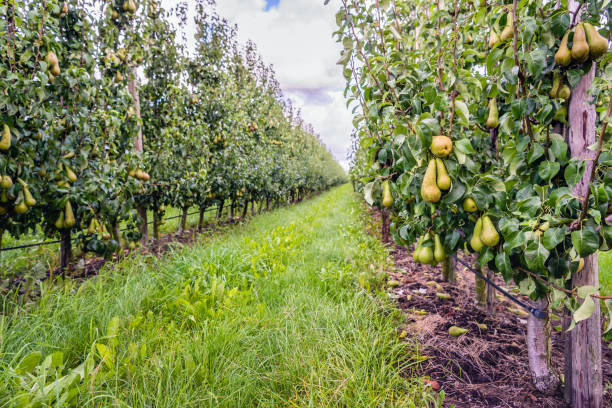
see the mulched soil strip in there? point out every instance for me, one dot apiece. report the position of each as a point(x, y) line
point(482, 368)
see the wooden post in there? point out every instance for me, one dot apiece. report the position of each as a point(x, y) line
point(539, 349)
point(583, 359)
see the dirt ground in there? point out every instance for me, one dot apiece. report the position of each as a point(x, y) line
point(487, 366)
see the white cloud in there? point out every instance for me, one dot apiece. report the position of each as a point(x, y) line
point(296, 38)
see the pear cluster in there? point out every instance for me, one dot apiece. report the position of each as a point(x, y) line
point(53, 65)
point(428, 251)
point(436, 177)
point(485, 234)
point(587, 44)
point(21, 202)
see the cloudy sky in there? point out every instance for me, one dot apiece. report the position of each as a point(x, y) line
point(296, 37)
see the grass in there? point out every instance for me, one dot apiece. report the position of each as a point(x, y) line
point(605, 273)
point(269, 314)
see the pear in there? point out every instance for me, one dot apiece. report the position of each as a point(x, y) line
point(563, 57)
point(29, 199)
point(387, 197)
point(598, 45)
point(51, 59)
point(4, 196)
point(493, 39)
point(21, 208)
point(469, 205)
point(580, 48)
point(456, 331)
point(5, 142)
point(59, 224)
point(55, 70)
point(417, 250)
point(69, 220)
point(3, 211)
point(508, 31)
point(561, 115)
point(426, 255)
point(6, 182)
point(118, 77)
point(71, 176)
point(489, 235)
point(439, 253)
point(441, 146)
point(493, 119)
point(92, 227)
point(475, 242)
point(443, 180)
point(129, 6)
point(429, 189)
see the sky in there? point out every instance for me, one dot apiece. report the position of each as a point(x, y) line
point(295, 36)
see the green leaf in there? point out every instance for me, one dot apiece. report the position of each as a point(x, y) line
point(585, 241)
point(29, 363)
point(553, 237)
point(463, 113)
point(547, 170)
point(535, 256)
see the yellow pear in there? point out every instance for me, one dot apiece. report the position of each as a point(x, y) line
point(21, 208)
point(3, 211)
point(563, 57)
point(92, 227)
point(6, 182)
point(51, 59)
point(456, 331)
point(426, 255)
point(489, 235)
point(59, 224)
point(429, 189)
point(493, 119)
point(443, 179)
point(387, 197)
point(55, 70)
point(71, 176)
point(598, 45)
point(508, 31)
point(29, 198)
point(475, 242)
point(439, 253)
point(580, 48)
point(5, 142)
point(69, 220)
point(469, 205)
point(441, 146)
point(493, 39)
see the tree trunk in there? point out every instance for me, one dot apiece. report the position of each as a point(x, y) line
point(232, 207)
point(156, 224)
point(448, 269)
point(384, 227)
point(144, 228)
point(220, 209)
point(481, 289)
point(245, 210)
point(183, 223)
point(1, 234)
point(65, 250)
point(539, 349)
point(116, 234)
point(584, 367)
point(253, 207)
point(201, 219)
point(267, 203)
point(490, 293)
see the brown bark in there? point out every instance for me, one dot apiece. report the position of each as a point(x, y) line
point(156, 224)
point(183, 224)
point(65, 250)
point(267, 203)
point(245, 209)
point(253, 207)
point(583, 369)
point(144, 228)
point(448, 270)
point(232, 207)
point(490, 293)
point(384, 227)
point(481, 290)
point(116, 235)
point(201, 219)
point(539, 349)
point(1, 234)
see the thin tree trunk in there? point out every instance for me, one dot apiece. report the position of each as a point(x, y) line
point(448, 269)
point(490, 293)
point(144, 228)
point(267, 203)
point(232, 206)
point(220, 209)
point(384, 227)
point(116, 234)
point(156, 224)
point(201, 219)
point(480, 288)
point(65, 250)
point(183, 223)
point(245, 209)
point(539, 349)
point(1, 234)
point(584, 367)
point(253, 207)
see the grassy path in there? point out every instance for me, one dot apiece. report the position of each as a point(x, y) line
point(270, 314)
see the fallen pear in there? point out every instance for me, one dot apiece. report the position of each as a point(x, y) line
point(443, 296)
point(493, 119)
point(441, 146)
point(439, 253)
point(429, 189)
point(475, 242)
point(393, 283)
point(5, 142)
point(456, 331)
point(469, 205)
point(508, 31)
point(489, 235)
point(387, 197)
point(598, 45)
point(580, 48)
point(563, 56)
point(443, 180)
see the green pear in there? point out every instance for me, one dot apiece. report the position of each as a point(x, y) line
point(441, 146)
point(493, 39)
point(5, 142)
point(580, 48)
point(429, 189)
point(598, 45)
point(563, 57)
point(508, 31)
point(387, 197)
point(6, 182)
point(456, 331)
point(475, 242)
point(489, 235)
point(469, 205)
point(443, 180)
point(493, 119)
point(59, 224)
point(439, 253)
point(69, 220)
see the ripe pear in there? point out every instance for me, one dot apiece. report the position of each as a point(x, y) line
point(4, 196)
point(429, 189)
point(29, 198)
point(71, 176)
point(6, 182)
point(21, 208)
point(493, 119)
point(489, 235)
point(493, 39)
point(456, 331)
point(441, 146)
point(598, 45)
point(563, 57)
point(475, 242)
point(5, 142)
point(59, 224)
point(51, 59)
point(439, 253)
point(443, 179)
point(129, 6)
point(417, 249)
point(508, 31)
point(469, 205)
point(92, 227)
point(426, 255)
point(69, 220)
point(580, 48)
point(387, 197)
point(55, 70)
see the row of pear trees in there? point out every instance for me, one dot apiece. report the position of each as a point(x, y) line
point(108, 110)
point(482, 126)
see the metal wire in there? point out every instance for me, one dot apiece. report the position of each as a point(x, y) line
point(537, 313)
